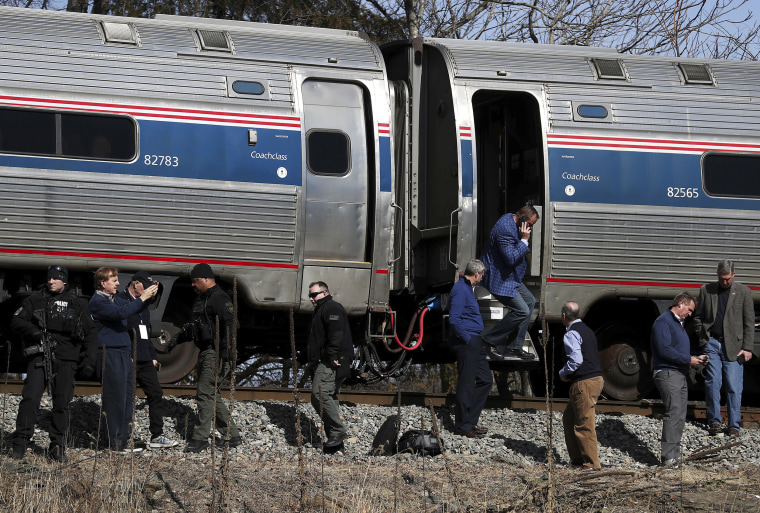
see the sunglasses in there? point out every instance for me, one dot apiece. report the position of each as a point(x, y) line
point(312, 295)
point(58, 268)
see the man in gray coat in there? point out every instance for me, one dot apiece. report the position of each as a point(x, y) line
point(725, 322)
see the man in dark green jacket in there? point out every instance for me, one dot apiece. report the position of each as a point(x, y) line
point(212, 303)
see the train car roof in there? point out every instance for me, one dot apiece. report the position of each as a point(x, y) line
point(587, 65)
point(178, 36)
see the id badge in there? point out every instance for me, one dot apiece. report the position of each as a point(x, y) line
point(144, 332)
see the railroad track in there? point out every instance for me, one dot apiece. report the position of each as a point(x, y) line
point(696, 409)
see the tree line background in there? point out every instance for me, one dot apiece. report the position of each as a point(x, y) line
point(720, 29)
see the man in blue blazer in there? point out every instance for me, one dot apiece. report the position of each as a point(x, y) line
point(505, 258)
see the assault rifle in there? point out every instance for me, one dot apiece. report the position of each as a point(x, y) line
point(47, 348)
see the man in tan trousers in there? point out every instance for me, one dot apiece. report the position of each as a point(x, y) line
point(584, 373)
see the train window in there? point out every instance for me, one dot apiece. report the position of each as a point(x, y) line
point(97, 137)
point(732, 175)
point(63, 134)
point(592, 112)
point(243, 87)
point(27, 131)
point(328, 152)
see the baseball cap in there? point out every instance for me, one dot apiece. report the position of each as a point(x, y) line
point(143, 277)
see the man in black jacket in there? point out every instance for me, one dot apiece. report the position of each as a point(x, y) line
point(66, 319)
point(145, 367)
point(330, 352)
point(211, 304)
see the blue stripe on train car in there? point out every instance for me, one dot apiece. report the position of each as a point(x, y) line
point(385, 164)
point(189, 150)
point(632, 178)
point(466, 168)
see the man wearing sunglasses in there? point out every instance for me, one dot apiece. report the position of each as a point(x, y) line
point(66, 319)
point(330, 352)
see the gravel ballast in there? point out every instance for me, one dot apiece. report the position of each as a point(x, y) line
point(520, 437)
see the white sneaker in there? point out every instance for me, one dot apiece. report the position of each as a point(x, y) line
point(127, 450)
point(161, 442)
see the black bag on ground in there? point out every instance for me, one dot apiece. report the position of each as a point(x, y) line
point(422, 443)
point(384, 443)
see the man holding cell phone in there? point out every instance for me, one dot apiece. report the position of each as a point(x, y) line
point(146, 368)
point(505, 257)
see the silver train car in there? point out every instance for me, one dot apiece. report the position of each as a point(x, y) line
point(284, 155)
point(646, 171)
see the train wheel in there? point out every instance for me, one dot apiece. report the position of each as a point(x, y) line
point(179, 361)
point(625, 360)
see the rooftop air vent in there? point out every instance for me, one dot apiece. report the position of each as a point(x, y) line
point(609, 69)
point(214, 40)
point(696, 74)
point(119, 32)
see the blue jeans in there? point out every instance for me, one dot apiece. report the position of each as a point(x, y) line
point(729, 375)
point(515, 323)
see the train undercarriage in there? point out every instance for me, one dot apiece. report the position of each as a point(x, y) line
point(388, 344)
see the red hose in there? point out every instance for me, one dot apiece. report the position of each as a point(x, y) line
point(417, 340)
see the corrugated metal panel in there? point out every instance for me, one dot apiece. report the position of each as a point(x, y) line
point(98, 74)
point(686, 110)
point(75, 215)
point(289, 44)
point(614, 242)
point(64, 51)
point(655, 99)
point(481, 59)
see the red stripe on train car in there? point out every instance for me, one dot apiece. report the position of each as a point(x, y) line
point(146, 258)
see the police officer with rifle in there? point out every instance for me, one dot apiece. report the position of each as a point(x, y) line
point(212, 308)
point(55, 325)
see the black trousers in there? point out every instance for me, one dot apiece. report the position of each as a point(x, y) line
point(147, 378)
point(474, 381)
point(31, 395)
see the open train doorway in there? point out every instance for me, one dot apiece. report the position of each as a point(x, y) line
point(509, 153)
point(510, 168)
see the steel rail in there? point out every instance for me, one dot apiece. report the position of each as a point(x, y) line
point(646, 407)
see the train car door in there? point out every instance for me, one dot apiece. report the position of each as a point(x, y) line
point(338, 217)
point(510, 164)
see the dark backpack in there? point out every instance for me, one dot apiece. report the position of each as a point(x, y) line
point(384, 443)
point(423, 443)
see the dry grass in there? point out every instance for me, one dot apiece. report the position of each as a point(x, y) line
point(103, 482)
